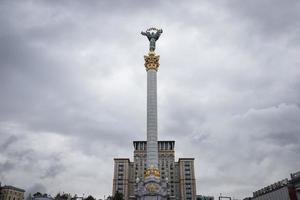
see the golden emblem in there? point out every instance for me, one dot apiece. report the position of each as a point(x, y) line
point(152, 188)
point(151, 61)
point(152, 171)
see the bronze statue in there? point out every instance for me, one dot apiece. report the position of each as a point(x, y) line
point(152, 35)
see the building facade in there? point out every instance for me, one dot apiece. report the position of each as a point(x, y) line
point(285, 189)
point(180, 175)
point(295, 181)
point(187, 183)
point(8, 192)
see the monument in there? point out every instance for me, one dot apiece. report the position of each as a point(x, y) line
point(154, 174)
point(152, 187)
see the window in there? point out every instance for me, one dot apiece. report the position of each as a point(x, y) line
point(187, 165)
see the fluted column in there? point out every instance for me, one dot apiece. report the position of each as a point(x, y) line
point(152, 151)
point(152, 64)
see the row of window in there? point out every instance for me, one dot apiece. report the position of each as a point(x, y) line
point(159, 164)
point(12, 192)
point(12, 198)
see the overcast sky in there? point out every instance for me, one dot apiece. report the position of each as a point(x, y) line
point(73, 91)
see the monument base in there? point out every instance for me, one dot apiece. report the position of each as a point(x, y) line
point(152, 188)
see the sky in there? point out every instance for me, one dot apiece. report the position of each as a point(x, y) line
point(73, 91)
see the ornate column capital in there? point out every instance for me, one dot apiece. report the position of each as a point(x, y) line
point(152, 171)
point(151, 61)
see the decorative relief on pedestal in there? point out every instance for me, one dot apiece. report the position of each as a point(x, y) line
point(152, 188)
point(152, 171)
point(151, 61)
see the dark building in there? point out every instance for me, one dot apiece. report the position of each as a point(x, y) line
point(281, 190)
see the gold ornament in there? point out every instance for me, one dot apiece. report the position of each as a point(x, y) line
point(151, 61)
point(152, 171)
point(152, 188)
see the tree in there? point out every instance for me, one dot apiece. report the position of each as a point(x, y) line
point(118, 196)
point(64, 196)
point(37, 194)
point(57, 197)
point(90, 197)
point(109, 198)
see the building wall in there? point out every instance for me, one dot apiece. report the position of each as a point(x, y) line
point(11, 193)
point(121, 176)
point(295, 180)
point(279, 194)
point(166, 164)
point(187, 183)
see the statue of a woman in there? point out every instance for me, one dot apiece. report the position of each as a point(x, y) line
point(152, 34)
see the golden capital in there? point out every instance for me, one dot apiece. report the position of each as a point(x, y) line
point(152, 171)
point(151, 61)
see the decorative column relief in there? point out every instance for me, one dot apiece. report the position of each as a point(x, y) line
point(151, 61)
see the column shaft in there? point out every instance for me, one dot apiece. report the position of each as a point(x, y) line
point(152, 151)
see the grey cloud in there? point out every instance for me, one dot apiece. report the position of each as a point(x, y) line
point(54, 169)
point(274, 18)
point(283, 138)
point(72, 84)
point(6, 166)
point(10, 140)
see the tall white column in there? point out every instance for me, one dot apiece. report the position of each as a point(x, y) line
point(152, 149)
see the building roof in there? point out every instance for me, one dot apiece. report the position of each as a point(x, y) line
point(122, 159)
point(159, 141)
point(186, 159)
point(12, 188)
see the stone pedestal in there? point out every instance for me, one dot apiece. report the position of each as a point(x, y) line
point(152, 189)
